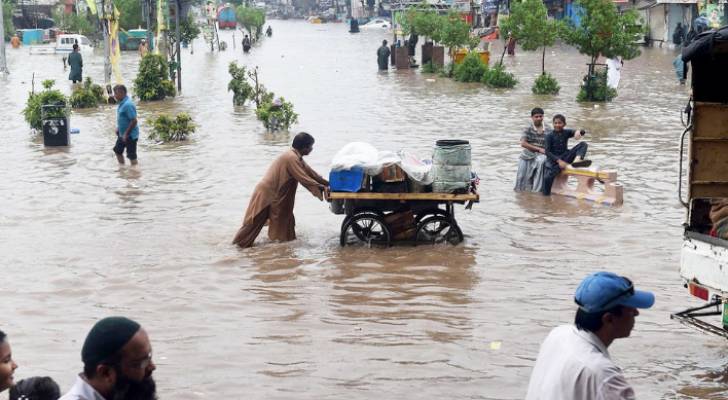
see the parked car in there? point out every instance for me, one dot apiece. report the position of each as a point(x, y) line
point(377, 23)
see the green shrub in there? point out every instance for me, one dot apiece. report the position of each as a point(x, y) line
point(278, 116)
point(498, 77)
point(242, 91)
point(49, 96)
point(430, 68)
point(598, 89)
point(471, 69)
point(152, 81)
point(168, 129)
point(545, 84)
point(87, 95)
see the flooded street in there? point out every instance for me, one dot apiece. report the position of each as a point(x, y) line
point(82, 238)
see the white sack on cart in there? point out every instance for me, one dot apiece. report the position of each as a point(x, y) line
point(355, 154)
point(415, 168)
point(385, 158)
point(363, 155)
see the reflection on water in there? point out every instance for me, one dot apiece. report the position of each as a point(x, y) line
point(84, 238)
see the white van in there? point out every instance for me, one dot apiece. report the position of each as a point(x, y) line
point(64, 45)
point(65, 42)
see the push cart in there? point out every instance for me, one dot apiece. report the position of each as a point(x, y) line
point(379, 219)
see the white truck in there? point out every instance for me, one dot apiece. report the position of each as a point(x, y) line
point(704, 255)
point(64, 45)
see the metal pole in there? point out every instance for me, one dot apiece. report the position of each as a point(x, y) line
point(177, 36)
point(3, 61)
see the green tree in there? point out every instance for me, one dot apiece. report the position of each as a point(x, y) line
point(73, 23)
point(152, 81)
point(252, 19)
point(530, 25)
point(131, 14)
point(454, 32)
point(428, 23)
point(604, 31)
point(242, 91)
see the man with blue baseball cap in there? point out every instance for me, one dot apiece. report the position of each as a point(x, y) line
point(573, 363)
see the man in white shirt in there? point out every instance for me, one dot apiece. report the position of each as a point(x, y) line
point(573, 363)
point(117, 358)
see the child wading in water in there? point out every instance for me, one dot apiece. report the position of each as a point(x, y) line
point(558, 153)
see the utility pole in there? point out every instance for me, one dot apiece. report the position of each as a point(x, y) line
point(3, 61)
point(177, 40)
point(103, 9)
point(148, 12)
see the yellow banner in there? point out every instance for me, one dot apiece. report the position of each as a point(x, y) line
point(91, 6)
point(115, 48)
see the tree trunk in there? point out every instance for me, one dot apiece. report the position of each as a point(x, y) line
point(503, 54)
point(543, 61)
point(590, 80)
point(3, 63)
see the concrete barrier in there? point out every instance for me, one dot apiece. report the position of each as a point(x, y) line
point(613, 192)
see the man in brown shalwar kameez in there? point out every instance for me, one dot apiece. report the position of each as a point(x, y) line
point(273, 198)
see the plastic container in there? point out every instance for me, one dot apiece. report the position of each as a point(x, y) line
point(348, 180)
point(451, 166)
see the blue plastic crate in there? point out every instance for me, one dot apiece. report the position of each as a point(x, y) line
point(349, 180)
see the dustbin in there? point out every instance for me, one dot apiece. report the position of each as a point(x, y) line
point(54, 120)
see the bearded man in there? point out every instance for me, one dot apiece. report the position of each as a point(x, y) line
point(117, 363)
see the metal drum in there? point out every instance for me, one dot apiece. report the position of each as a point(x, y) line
point(451, 166)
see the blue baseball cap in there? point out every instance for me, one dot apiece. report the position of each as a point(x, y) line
point(603, 290)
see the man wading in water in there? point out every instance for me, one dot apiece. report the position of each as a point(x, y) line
point(383, 56)
point(531, 162)
point(275, 195)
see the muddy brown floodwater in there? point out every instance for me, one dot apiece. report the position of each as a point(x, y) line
point(81, 238)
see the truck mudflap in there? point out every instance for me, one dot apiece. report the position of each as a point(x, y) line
point(690, 317)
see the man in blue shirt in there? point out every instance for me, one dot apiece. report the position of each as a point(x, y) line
point(127, 131)
point(558, 154)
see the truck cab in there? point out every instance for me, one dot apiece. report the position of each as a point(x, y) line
point(704, 254)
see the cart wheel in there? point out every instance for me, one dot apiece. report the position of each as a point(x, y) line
point(439, 229)
point(360, 211)
point(430, 212)
point(365, 228)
